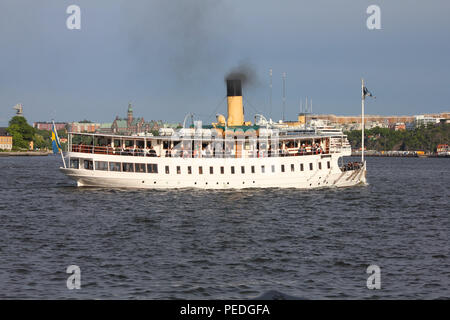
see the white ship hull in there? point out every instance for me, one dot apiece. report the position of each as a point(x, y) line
point(271, 172)
point(228, 154)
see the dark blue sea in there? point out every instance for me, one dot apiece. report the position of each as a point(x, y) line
point(192, 244)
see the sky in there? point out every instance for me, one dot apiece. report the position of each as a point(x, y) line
point(169, 57)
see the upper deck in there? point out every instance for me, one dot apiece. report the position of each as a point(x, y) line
point(206, 144)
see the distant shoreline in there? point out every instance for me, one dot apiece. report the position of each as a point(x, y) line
point(24, 153)
point(397, 155)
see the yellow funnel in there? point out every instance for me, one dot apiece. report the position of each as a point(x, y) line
point(235, 106)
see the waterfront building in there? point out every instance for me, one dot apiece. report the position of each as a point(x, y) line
point(424, 120)
point(49, 125)
point(105, 128)
point(410, 126)
point(350, 122)
point(399, 126)
point(6, 141)
point(443, 150)
point(88, 127)
point(368, 118)
point(132, 126)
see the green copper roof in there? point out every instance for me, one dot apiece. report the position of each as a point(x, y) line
point(106, 125)
point(121, 123)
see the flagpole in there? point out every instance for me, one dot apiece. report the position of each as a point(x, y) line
point(362, 121)
point(57, 138)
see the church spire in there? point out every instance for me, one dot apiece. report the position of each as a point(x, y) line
point(130, 114)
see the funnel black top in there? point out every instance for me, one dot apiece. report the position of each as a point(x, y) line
point(234, 88)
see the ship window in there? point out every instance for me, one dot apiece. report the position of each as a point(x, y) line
point(178, 170)
point(222, 170)
point(167, 170)
point(328, 164)
point(273, 168)
point(232, 170)
point(301, 167)
point(200, 170)
point(282, 168)
point(253, 169)
point(140, 144)
point(242, 169)
point(320, 165)
point(114, 166)
point(117, 143)
point(140, 167)
point(292, 167)
point(101, 165)
point(211, 170)
point(127, 167)
point(310, 166)
point(152, 168)
point(263, 169)
point(74, 163)
point(129, 143)
point(88, 165)
point(189, 170)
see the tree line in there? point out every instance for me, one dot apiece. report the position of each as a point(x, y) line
point(22, 134)
point(424, 138)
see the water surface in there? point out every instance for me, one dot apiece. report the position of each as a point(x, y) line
point(194, 244)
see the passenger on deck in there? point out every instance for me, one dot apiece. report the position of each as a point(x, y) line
point(151, 152)
point(138, 152)
point(302, 149)
point(209, 152)
point(284, 152)
point(319, 149)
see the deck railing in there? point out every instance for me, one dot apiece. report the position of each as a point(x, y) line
point(107, 150)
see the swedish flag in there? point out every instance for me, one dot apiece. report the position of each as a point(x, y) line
point(56, 145)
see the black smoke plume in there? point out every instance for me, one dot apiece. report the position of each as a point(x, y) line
point(184, 32)
point(244, 72)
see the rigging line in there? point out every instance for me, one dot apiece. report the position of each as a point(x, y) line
point(217, 107)
point(252, 106)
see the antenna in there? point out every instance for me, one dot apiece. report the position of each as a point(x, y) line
point(270, 99)
point(311, 106)
point(284, 93)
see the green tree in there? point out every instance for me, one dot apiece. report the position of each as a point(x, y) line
point(21, 132)
point(424, 138)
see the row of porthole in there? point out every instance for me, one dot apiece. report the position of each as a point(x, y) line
point(243, 182)
point(325, 182)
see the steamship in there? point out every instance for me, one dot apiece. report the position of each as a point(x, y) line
point(229, 153)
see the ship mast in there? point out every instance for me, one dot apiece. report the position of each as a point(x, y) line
point(284, 93)
point(270, 98)
point(362, 121)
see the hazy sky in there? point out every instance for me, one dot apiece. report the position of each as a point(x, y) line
point(169, 57)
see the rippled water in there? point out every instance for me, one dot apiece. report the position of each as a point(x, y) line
point(191, 244)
